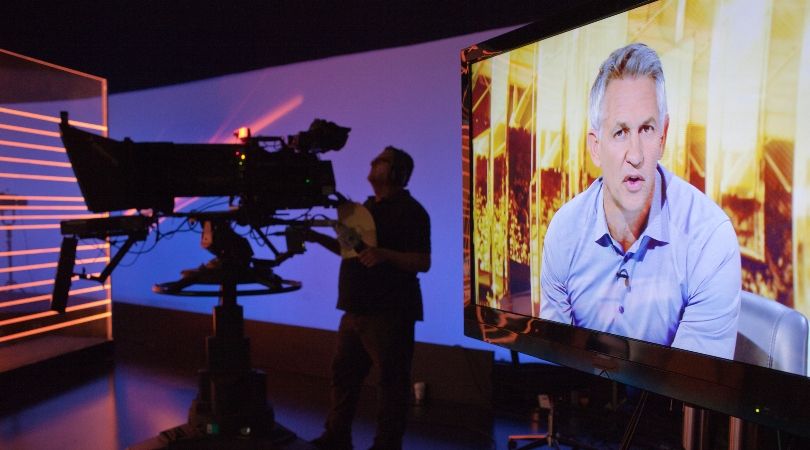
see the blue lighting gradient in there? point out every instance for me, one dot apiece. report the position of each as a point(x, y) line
point(409, 97)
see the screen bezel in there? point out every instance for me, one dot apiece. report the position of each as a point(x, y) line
point(730, 387)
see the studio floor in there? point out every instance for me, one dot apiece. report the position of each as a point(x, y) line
point(124, 401)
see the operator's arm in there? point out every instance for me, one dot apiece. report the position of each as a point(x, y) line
point(709, 322)
point(414, 255)
point(406, 261)
point(328, 242)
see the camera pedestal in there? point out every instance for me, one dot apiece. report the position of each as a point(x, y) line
point(231, 409)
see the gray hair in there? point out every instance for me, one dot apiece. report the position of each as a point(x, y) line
point(634, 60)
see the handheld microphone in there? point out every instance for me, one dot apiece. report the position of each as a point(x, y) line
point(624, 274)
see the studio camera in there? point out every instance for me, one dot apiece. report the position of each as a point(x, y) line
point(267, 173)
point(264, 174)
point(322, 136)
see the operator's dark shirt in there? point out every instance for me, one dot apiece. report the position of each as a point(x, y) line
point(402, 225)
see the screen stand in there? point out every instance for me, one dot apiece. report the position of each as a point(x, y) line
point(231, 409)
point(695, 428)
point(735, 433)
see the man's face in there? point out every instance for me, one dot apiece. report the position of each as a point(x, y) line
point(380, 173)
point(629, 145)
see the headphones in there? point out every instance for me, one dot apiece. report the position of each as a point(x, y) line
point(401, 167)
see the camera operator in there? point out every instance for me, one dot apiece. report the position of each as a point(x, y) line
point(379, 292)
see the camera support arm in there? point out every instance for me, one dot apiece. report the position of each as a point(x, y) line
point(136, 228)
point(119, 255)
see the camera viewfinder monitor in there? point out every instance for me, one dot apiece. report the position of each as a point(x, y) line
point(636, 179)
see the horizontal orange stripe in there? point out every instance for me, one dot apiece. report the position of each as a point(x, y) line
point(25, 176)
point(44, 198)
point(49, 265)
point(47, 297)
point(40, 251)
point(11, 287)
point(48, 313)
point(48, 226)
point(52, 216)
point(42, 208)
point(35, 162)
point(57, 326)
point(52, 119)
point(4, 126)
point(47, 148)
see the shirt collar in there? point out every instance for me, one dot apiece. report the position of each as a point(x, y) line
point(601, 234)
point(655, 224)
point(656, 228)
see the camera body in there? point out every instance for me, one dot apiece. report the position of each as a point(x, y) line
point(119, 175)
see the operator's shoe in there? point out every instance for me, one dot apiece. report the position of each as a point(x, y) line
point(330, 442)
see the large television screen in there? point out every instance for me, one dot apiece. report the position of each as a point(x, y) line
point(636, 179)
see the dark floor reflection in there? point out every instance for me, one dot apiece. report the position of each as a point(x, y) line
point(115, 404)
point(130, 402)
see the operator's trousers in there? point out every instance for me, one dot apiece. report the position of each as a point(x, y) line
point(386, 341)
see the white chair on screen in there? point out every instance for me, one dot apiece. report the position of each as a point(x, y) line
point(769, 335)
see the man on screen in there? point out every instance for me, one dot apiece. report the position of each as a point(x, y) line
point(641, 253)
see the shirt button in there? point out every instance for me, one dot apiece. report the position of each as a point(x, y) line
point(621, 309)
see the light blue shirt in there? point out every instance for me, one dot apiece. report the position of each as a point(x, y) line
point(683, 273)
